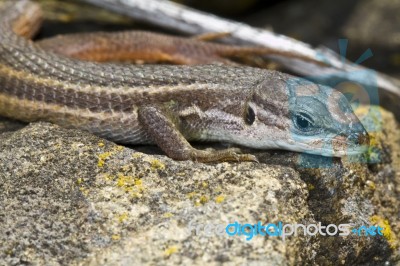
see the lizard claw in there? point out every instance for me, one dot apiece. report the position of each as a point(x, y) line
point(236, 155)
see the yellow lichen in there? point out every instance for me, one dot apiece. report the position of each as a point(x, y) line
point(115, 237)
point(371, 184)
point(130, 184)
point(191, 195)
point(126, 182)
point(126, 168)
point(180, 174)
point(220, 199)
point(170, 250)
point(198, 199)
point(119, 148)
point(84, 191)
point(108, 177)
point(79, 181)
point(373, 139)
point(58, 146)
point(310, 186)
point(103, 157)
point(123, 217)
point(136, 195)
point(101, 144)
point(156, 164)
point(387, 231)
point(136, 155)
point(203, 199)
point(168, 215)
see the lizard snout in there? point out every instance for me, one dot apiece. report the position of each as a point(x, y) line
point(359, 138)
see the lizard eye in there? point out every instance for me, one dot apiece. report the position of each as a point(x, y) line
point(303, 122)
point(250, 116)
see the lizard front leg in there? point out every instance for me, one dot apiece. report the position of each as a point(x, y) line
point(165, 133)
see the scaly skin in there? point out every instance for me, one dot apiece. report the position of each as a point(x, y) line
point(169, 105)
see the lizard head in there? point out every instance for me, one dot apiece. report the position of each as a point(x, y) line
point(298, 115)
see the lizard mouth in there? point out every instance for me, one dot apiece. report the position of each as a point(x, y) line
point(353, 144)
point(332, 146)
point(334, 152)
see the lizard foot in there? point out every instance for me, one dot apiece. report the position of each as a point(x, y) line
point(227, 155)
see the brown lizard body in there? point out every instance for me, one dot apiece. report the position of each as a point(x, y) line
point(170, 105)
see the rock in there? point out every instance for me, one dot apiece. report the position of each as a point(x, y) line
point(68, 197)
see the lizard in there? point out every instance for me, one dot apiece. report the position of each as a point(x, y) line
point(170, 105)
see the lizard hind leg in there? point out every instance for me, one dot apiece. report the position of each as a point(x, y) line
point(167, 136)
